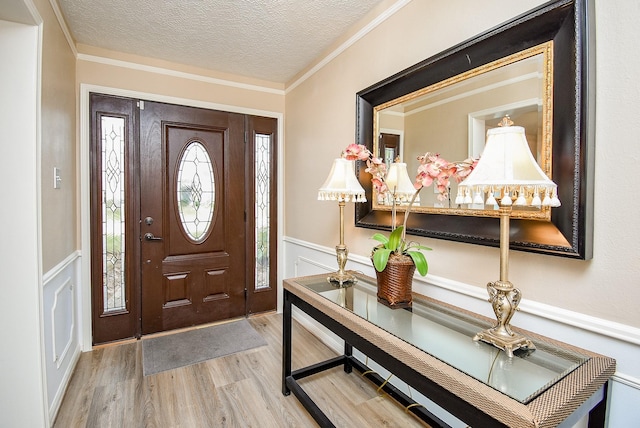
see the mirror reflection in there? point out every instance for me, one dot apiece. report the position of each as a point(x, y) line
point(452, 117)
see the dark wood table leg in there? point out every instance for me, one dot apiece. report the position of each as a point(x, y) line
point(598, 414)
point(348, 353)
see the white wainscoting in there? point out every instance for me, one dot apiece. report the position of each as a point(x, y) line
point(60, 323)
point(608, 338)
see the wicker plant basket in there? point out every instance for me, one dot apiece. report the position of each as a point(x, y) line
point(394, 282)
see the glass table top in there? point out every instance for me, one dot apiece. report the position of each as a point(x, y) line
point(448, 335)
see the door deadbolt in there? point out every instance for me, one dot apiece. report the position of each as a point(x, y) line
point(148, 221)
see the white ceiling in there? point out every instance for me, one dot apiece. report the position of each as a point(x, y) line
point(271, 40)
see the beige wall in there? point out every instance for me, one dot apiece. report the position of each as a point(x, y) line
point(321, 122)
point(59, 215)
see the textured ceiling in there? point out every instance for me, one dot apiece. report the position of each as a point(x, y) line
point(266, 39)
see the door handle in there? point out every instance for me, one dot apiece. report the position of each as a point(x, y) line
point(149, 237)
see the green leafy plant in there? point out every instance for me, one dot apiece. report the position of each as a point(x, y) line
point(396, 244)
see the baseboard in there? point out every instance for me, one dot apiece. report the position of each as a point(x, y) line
point(54, 407)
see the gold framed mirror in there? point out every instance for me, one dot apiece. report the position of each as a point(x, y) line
point(557, 38)
point(451, 118)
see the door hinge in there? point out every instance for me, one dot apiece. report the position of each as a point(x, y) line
point(140, 104)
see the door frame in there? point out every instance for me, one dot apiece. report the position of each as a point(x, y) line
point(84, 303)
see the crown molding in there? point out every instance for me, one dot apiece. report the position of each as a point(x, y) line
point(351, 41)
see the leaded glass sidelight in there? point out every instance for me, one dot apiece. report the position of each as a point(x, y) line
point(262, 207)
point(195, 191)
point(113, 218)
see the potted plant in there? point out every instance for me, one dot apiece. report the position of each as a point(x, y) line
point(395, 259)
point(396, 246)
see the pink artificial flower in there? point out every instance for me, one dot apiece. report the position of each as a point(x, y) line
point(423, 179)
point(465, 168)
point(432, 169)
point(356, 152)
point(379, 185)
point(377, 161)
point(378, 169)
point(443, 192)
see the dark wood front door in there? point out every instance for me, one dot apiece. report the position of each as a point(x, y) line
point(192, 196)
point(183, 216)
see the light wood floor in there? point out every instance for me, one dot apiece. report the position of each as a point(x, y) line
point(240, 390)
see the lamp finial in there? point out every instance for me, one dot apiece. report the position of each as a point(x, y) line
point(506, 121)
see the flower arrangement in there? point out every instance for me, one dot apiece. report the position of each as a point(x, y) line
point(433, 170)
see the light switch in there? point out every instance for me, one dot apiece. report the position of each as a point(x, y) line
point(57, 180)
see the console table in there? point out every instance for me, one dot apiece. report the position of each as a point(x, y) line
point(430, 348)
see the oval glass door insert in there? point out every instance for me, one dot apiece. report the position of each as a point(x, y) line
point(196, 191)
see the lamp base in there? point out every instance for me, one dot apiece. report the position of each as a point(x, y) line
point(507, 344)
point(504, 298)
point(342, 279)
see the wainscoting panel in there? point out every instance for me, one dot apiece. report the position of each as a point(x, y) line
point(62, 347)
point(62, 322)
point(608, 338)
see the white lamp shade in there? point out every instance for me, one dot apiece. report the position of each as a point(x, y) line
point(342, 184)
point(507, 165)
point(398, 181)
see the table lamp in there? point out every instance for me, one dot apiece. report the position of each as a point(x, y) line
point(506, 172)
point(342, 186)
point(401, 188)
